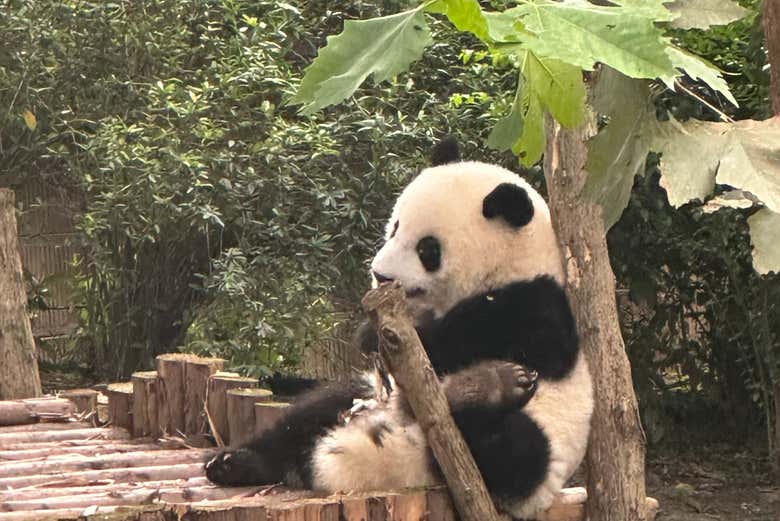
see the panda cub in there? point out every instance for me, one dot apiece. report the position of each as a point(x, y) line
point(473, 246)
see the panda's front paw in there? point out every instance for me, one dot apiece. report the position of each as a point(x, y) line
point(518, 383)
point(238, 468)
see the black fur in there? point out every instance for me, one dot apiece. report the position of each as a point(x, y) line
point(528, 323)
point(445, 151)
point(289, 385)
point(285, 449)
point(511, 202)
point(511, 451)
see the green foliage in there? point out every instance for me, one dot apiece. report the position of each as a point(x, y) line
point(551, 43)
point(701, 326)
point(387, 45)
point(216, 219)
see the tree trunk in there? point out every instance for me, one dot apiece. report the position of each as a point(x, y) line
point(616, 452)
point(18, 367)
point(772, 35)
point(771, 16)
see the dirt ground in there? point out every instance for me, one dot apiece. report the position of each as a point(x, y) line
point(716, 482)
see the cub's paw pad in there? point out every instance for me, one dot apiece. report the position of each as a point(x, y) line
point(519, 382)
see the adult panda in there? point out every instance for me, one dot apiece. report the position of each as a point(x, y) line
point(474, 247)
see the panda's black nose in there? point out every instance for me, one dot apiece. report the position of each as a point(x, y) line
point(381, 279)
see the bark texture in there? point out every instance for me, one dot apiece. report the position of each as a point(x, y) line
point(616, 449)
point(404, 354)
point(18, 366)
point(771, 15)
point(772, 35)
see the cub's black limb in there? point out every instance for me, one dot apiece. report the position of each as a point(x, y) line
point(511, 451)
point(283, 453)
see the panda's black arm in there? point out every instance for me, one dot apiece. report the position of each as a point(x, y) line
point(528, 322)
point(285, 449)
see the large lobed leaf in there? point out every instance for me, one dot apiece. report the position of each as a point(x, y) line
point(765, 236)
point(701, 14)
point(744, 154)
point(618, 152)
point(384, 47)
point(583, 34)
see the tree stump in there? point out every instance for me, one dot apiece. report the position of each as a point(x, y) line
point(19, 376)
point(241, 412)
point(170, 403)
point(197, 371)
point(216, 402)
point(120, 405)
point(85, 400)
point(145, 402)
point(267, 414)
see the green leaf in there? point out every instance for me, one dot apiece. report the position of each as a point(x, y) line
point(701, 14)
point(765, 236)
point(546, 85)
point(618, 152)
point(508, 130)
point(583, 34)
point(699, 70)
point(465, 15)
point(745, 155)
point(384, 47)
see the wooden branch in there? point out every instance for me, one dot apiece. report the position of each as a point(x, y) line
point(216, 401)
point(120, 405)
point(145, 403)
point(414, 375)
point(241, 412)
point(17, 412)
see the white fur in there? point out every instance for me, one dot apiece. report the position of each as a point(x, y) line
point(477, 255)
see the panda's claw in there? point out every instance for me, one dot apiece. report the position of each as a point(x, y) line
point(519, 383)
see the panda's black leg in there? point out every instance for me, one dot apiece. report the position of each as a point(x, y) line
point(284, 451)
point(511, 451)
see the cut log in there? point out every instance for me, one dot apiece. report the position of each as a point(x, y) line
point(120, 405)
point(241, 412)
point(17, 412)
point(145, 402)
point(19, 376)
point(268, 414)
point(70, 463)
point(91, 449)
point(69, 434)
point(216, 402)
point(197, 371)
point(48, 492)
point(170, 370)
point(85, 400)
point(124, 475)
point(47, 426)
point(404, 355)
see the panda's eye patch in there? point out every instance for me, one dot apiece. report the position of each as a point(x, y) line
point(429, 251)
point(395, 229)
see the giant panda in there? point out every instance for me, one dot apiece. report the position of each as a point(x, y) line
point(473, 246)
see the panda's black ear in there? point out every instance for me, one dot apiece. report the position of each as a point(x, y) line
point(511, 202)
point(445, 151)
